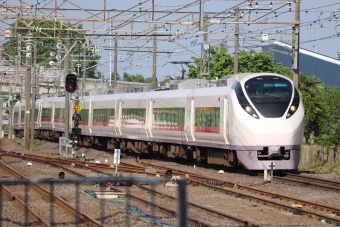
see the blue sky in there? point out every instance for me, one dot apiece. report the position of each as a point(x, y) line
point(318, 31)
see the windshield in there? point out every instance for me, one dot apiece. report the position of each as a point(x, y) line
point(269, 94)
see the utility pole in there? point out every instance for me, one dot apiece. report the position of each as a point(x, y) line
point(17, 64)
point(67, 94)
point(84, 71)
point(206, 48)
point(236, 44)
point(116, 61)
point(28, 87)
point(296, 44)
point(201, 12)
point(110, 53)
point(33, 92)
point(154, 54)
point(59, 68)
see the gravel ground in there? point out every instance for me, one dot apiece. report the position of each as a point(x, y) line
point(115, 215)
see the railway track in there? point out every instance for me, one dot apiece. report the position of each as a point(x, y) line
point(102, 168)
point(310, 181)
point(70, 213)
point(307, 208)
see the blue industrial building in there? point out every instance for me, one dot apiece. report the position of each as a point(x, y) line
point(326, 68)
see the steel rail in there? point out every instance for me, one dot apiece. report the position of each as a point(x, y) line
point(242, 221)
point(98, 168)
point(57, 199)
point(203, 180)
point(197, 179)
point(336, 184)
point(22, 206)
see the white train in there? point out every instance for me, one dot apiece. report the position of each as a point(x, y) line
point(249, 120)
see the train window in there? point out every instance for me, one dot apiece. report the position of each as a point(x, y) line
point(16, 117)
point(46, 113)
point(269, 94)
point(36, 114)
point(168, 116)
point(59, 114)
point(84, 114)
point(22, 115)
point(103, 115)
point(133, 116)
point(207, 119)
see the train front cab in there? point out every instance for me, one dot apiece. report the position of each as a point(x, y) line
point(269, 122)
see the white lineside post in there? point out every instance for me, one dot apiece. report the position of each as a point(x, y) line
point(116, 158)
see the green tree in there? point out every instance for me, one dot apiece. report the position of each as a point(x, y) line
point(99, 75)
point(113, 76)
point(46, 45)
point(311, 89)
point(221, 63)
point(133, 77)
point(329, 127)
point(149, 80)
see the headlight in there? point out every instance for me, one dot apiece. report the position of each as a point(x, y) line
point(295, 104)
point(248, 109)
point(244, 102)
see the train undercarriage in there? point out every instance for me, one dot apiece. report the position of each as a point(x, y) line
point(207, 155)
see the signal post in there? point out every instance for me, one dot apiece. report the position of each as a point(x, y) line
point(71, 87)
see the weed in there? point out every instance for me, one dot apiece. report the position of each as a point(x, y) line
point(203, 187)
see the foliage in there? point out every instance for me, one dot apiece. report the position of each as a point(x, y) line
point(329, 127)
point(47, 43)
point(113, 76)
point(221, 63)
point(136, 78)
point(311, 89)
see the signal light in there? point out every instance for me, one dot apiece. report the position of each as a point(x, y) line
point(71, 83)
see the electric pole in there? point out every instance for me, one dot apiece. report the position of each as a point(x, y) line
point(206, 48)
point(67, 94)
point(154, 54)
point(116, 62)
point(28, 87)
point(296, 44)
point(84, 71)
point(33, 92)
point(236, 44)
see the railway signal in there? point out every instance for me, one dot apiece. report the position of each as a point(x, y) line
point(71, 83)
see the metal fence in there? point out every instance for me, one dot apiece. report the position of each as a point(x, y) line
point(23, 201)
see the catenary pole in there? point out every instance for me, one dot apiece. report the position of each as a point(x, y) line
point(67, 95)
point(296, 44)
point(28, 89)
point(236, 41)
point(33, 92)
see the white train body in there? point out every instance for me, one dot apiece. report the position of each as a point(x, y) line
point(255, 122)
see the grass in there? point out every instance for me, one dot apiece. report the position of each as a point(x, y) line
point(203, 187)
point(321, 168)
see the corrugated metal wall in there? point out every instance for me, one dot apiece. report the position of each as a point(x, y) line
point(328, 72)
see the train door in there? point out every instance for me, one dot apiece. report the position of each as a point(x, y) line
point(189, 127)
point(118, 114)
point(53, 114)
point(149, 117)
point(226, 120)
